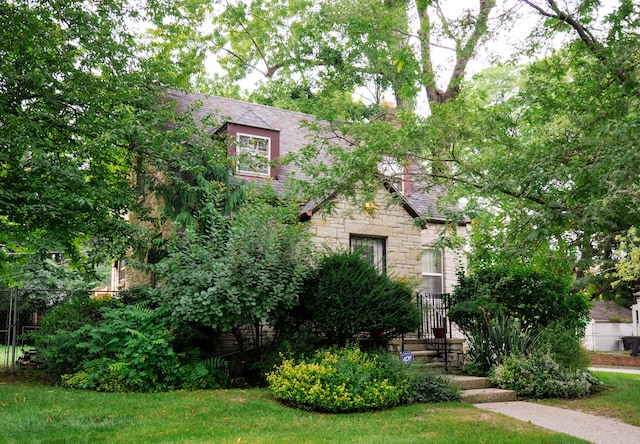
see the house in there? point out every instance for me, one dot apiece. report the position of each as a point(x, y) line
point(387, 230)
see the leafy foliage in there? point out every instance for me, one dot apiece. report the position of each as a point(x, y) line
point(489, 346)
point(534, 296)
point(131, 350)
point(564, 346)
point(539, 376)
point(342, 380)
point(106, 345)
point(339, 381)
point(80, 110)
point(331, 47)
point(246, 268)
point(58, 334)
point(426, 387)
point(347, 296)
point(627, 268)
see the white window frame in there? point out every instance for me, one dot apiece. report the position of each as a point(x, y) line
point(431, 270)
point(122, 272)
point(394, 171)
point(377, 249)
point(244, 149)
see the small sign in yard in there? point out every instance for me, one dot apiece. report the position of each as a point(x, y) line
point(407, 357)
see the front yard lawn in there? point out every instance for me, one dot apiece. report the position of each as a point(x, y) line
point(31, 412)
point(619, 400)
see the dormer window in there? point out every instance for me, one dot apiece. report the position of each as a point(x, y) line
point(253, 155)
point(253, 149)
point(394, 172)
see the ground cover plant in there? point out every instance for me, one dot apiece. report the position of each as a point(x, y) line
point(35, 413)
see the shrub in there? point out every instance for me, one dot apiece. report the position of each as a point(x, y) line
point(347, 297)
point(536, 297)
point(340, 381)
point(131, 350)
point(426, 387)
point(564, 345)
point(501, 337)
point(540, 376)
point(58, 334)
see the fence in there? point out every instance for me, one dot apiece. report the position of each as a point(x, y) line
point(20, 309)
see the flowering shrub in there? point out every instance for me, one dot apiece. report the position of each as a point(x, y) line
point(540, 376)
point(340, 381)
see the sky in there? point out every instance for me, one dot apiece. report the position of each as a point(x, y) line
point(506, 42)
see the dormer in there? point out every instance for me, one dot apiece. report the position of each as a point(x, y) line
point(395, 173)
point(253, 149)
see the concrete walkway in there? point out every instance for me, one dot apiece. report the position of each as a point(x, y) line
point(592, 428)
point(595, 429)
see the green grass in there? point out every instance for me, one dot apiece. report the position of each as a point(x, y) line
point(31, 412)
point(619, 400)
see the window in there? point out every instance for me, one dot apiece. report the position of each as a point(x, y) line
point(122, 270)
point(252, 148)
point(432, 276)
point(394, 172)
point(253, 155)
point(372, 249)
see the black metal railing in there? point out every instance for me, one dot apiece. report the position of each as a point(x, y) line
point(434, 310)
point(435, 325)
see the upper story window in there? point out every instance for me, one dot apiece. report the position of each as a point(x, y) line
point(253, 155)
point(394, 172)
point(253, 149)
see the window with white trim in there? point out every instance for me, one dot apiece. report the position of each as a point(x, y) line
point(394, 171)
point(122, 272)
point(253, 155)
point(371, 249)
point(432, 271)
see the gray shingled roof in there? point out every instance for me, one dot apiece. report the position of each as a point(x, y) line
point(606, 310)
point(293, 136)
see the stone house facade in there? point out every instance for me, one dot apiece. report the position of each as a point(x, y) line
point(387, 230)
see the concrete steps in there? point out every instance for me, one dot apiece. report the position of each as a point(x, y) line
point(478, 390)
point(424, 356)
point(422, 353)
point(473, 389)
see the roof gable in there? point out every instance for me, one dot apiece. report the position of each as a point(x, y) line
point(294, 135)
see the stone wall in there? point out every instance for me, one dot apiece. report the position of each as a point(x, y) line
point(404, 240)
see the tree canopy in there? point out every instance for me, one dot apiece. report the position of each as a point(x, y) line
point(80, 111)
point(542, 155)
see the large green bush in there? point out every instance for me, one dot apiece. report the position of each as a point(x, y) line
point(536, 297)
point(58, 334)
point(106, 345)
point(244, 270)
point(347, 297)
point(341, 380)
point(540, 376)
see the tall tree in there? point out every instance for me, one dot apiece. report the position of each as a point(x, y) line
point(383, 46)
point(549, 150)
point(79, 111)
